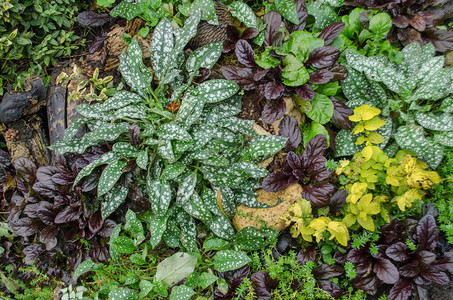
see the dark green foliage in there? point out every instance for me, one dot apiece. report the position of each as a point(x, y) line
point(33, 36)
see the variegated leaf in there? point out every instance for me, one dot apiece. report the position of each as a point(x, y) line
point(186, 189)
point(171, 131)
point(263, 146)
point(120, 100)
point(196, 208)
point(438, 122)
point(106, 158)
point(159, 196)
point(244, 13)
point(204, 57)
point(216, 90)
point(186, 33)
point(345, 143)
point(110, 176)
point(112, 200)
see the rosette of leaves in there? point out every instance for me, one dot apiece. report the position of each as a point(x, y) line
point(303, 67)
point(365, 32)
point(416, 20)
point(308, 169)
point(198, 162)
point(415, 97)
point(406, 256)
point(53, 217)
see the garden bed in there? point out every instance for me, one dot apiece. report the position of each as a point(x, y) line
point(226, 150)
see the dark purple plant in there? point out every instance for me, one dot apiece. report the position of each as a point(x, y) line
point(234, 279)
point(416, 20)
point(309, 170)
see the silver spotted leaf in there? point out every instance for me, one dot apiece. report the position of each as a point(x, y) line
point(190, 111)
point(106, 158)
point(444, 138)
point(171, 131)
point(172, 171)
point(160, 196)
point(142, 160)
point(263, 146)
point(412, 137)
point(161, 48)
point(125, 149)
point(438, 122)
point(345, 143)
point(228, 260)
point(112, 200)
point(120, 100)
point(110, 176)
point(196, 208)
point(185, 34)
point(186, 189)
point(181, 292)
point(244, 13)
point(216, 90)
point(221, 227)
point(204, 57)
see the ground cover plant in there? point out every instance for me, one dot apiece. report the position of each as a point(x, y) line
point(314, 162)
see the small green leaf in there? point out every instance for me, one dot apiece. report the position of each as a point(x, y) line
point(112, 200)
point(186, 189)
point(123, 294)
point(133, 225)
point(145, 288)
point(321, 109)
point(123, 244)
point(84, 267)
point(142, 160)
point(173, 171)
point(181, 292)
point(288, 10)
point(214, 244)
point(228, 260)
point(250, 239)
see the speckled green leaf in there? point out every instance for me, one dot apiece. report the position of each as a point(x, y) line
point(238, 125)
point(123, 244)
point(175, 268)
point(110, 176)
point(133, 225)
point(345, 143)
point(221, 227)
point(134, 71)
point(84, 267)
point(131, 112)
point(323, 14)
point(125, 149)
point(196, 208)
point(250, 239)
point(244, 13)
point(185, 34)
point(159, 196)
point(106, 158)
point(447, 106)
point(444, 138)
point(123, 293)
point(411, 137)
point(157, 227)
point(119, 100)
point(438, 122)
point(161, 48)
point(145, 288)
point(114, 253)
point(186, 189)
point(288, 10)
point(216, 90)
point(228, 260)
point(251, 169)
point(126, 10)
point(188, 232)
point(204, 57)
point(181, 292)
point(165, 150)
point(73, 129)
point(248, 198)
point(173, 171)
point(263, 146)
point(171, 131)
point(142, 160)
point(112, 200)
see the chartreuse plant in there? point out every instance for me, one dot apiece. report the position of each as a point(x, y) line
point(375, 182)
point(196, 163)
point(305, 224)
point(417, 92)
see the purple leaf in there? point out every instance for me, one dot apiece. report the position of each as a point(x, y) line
point(275, 182)
point(302, 15)
point(307, 254)
point(315, 163)
point(326, 271)
point(341, 114)
point(260, 75)
point(95, 222)
point(273, 20)
point(331, 32)
point(367, 284)
point(306, 92)
point(107, 228)
point(339, 72)
point(398, 252)
point(273, 90)
point(273, 111)
point(441, 39)
point(321, 174)
point(330, 287)
point(26, 168)
point(446, 262)
point(321, 76)
point(264, 284)
point(409, 270)
point(289, 127)
point(337, 201)
point(31, 210)
point(426, 257)
point(249, 33)
point(386, 271)
point(402, 290)
point(316, 146)
point(434, 275)
point(46, 213)
point(357, 256)
point(400, 21)
point(48, 235)
point(318, 194)
point(427, 234)
point(293, 160)
point(242, 76)
point(68, 214)
point(32, 252)
point(98, 43)
point(92, 19)
point(24, 227)
point(245, 54)
point(323, 57)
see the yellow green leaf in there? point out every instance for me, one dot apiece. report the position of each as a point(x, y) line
point(374, 123)
point(367, 152)
point(375, 137)
point(349, 220)
point(360, 140)
point(364, 112)
point(339, 231)
point(366, 222)
point(358, 128)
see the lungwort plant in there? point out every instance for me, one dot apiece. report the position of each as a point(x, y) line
point(195, 162)
point(415, 97)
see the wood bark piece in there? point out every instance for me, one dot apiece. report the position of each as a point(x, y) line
point(28, 140)
point(246, 216)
